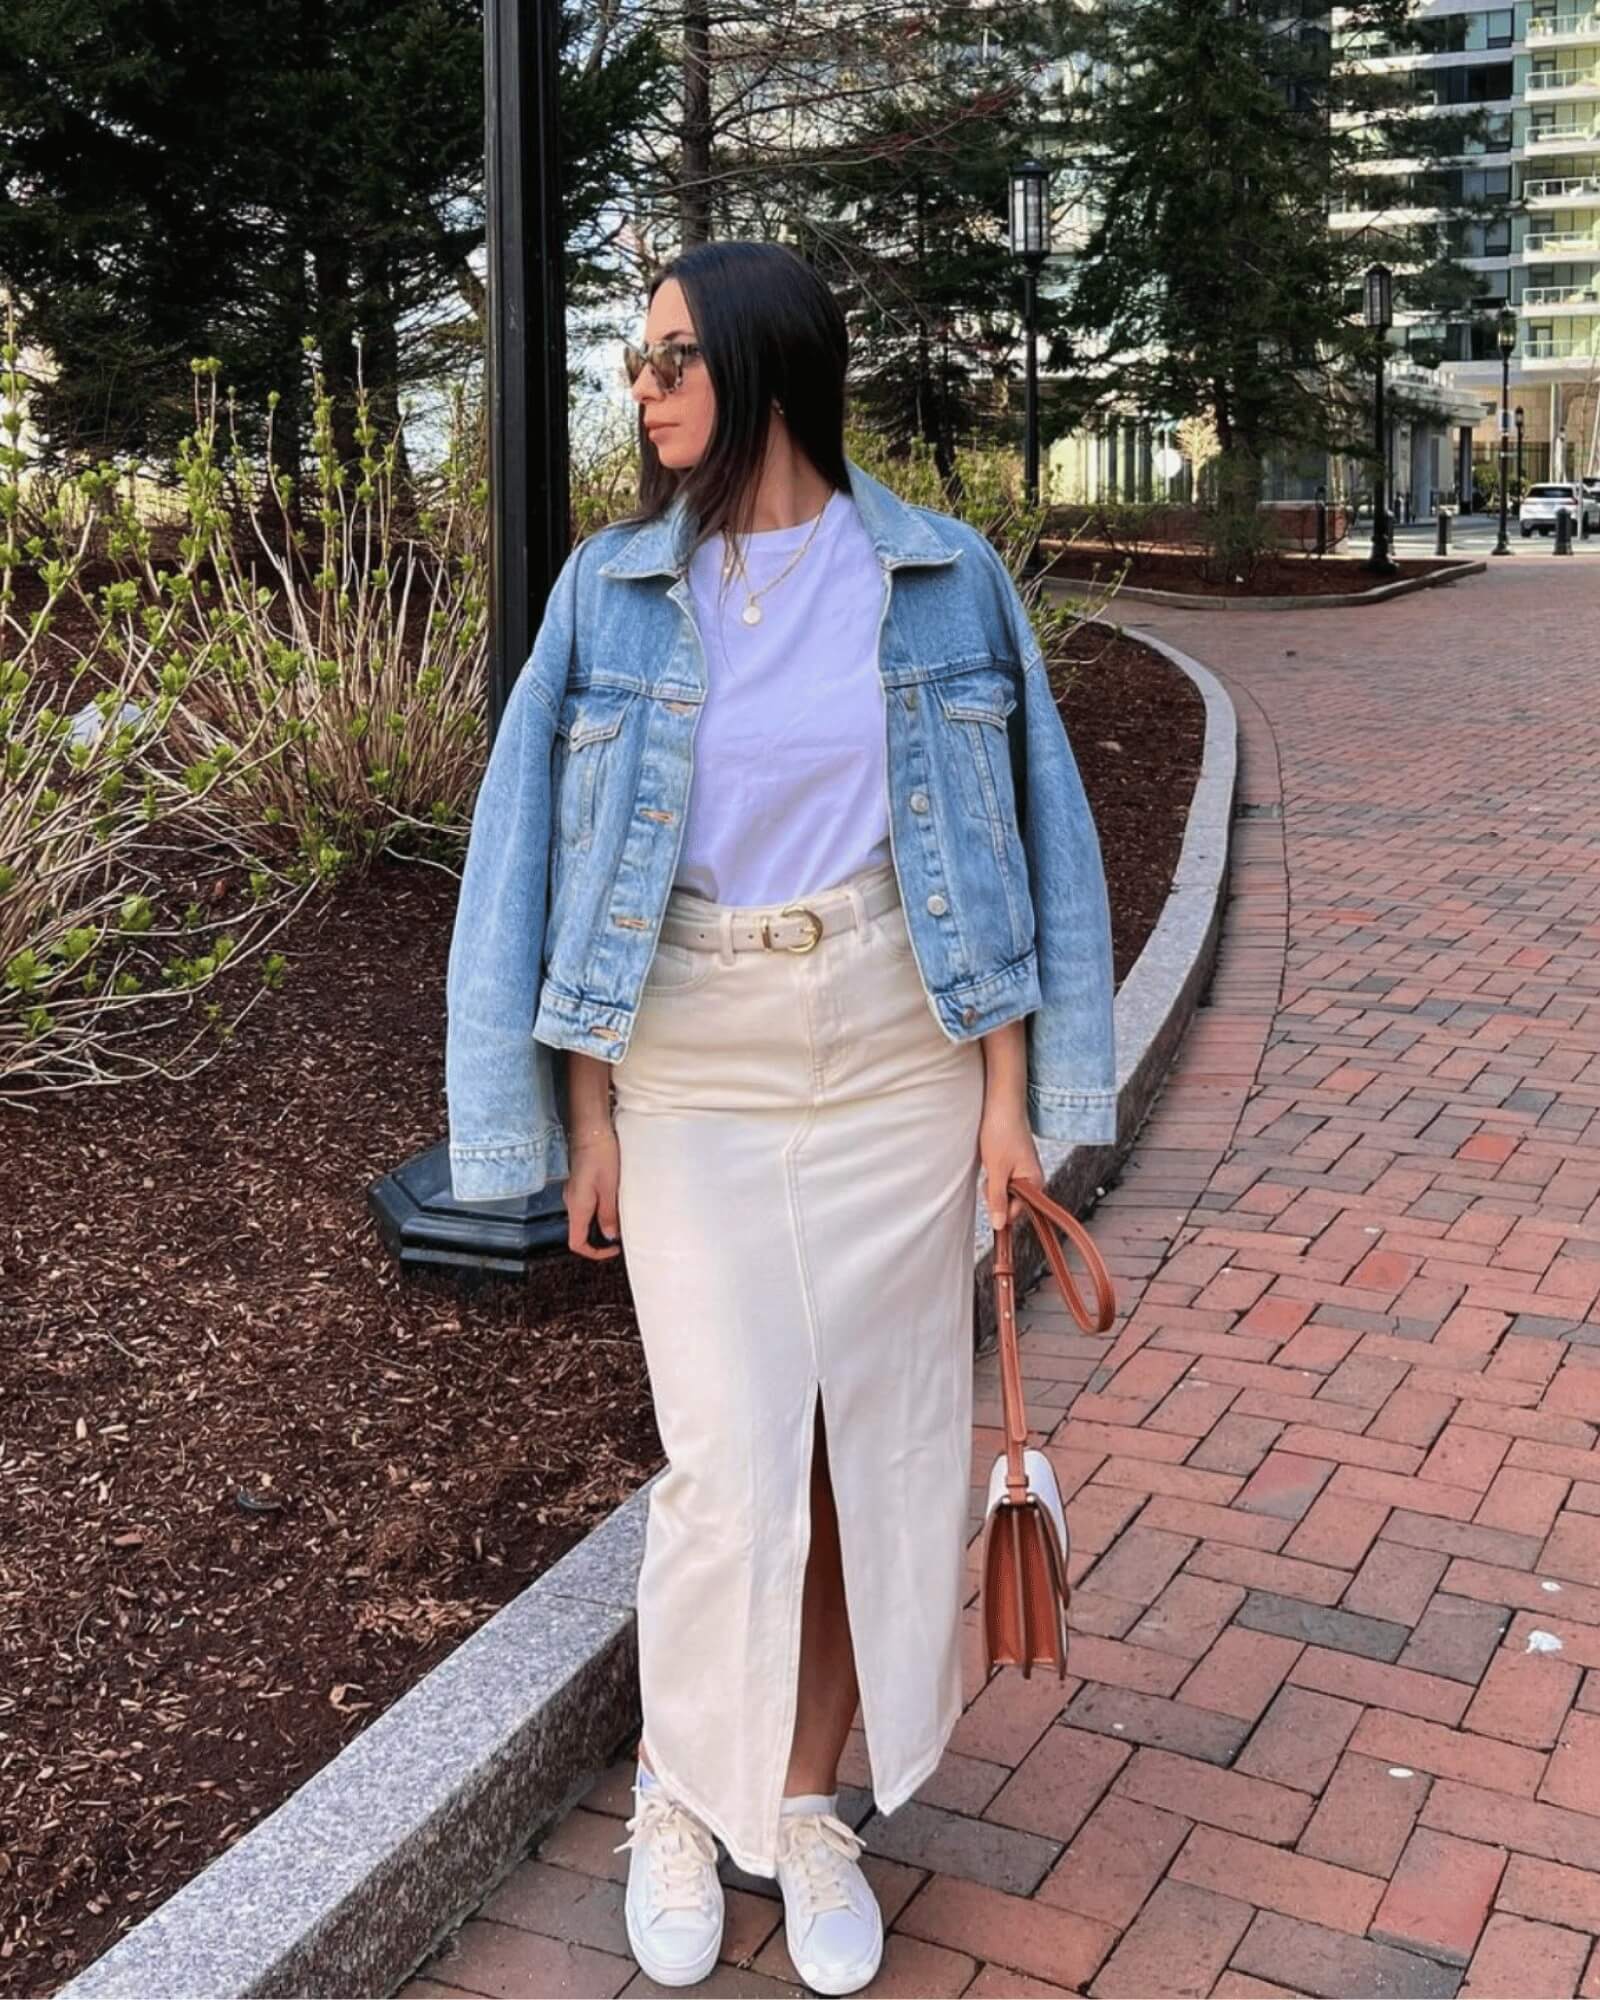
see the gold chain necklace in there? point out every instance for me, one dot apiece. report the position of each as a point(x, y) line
point(751, 613)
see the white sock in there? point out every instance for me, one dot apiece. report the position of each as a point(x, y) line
point(811, 1802)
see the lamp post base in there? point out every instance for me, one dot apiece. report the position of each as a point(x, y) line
point(427, 1229)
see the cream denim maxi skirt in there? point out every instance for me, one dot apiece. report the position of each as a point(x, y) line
point(797, 1196)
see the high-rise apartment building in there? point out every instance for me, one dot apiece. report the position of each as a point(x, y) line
point(1531, 172)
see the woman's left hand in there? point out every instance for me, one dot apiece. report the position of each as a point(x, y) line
point(1006, 1150)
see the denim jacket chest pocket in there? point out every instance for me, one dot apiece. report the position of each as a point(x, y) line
point(976, 703)
point(588, 725)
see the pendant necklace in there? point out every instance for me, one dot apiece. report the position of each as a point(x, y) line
point(751, 613)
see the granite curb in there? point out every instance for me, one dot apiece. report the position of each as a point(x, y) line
point(354, 1880)
point(1338, 601)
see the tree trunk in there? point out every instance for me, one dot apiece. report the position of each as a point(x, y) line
point(1222, 415)
point(380, 350)
point(694, 174)
point(289, 419)
point(330, 263)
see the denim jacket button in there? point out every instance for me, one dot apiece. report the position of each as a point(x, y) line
point(969, 1015)
point(937, 906)
point(919, 802)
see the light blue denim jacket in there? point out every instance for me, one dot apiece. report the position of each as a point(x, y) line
point(578, 822)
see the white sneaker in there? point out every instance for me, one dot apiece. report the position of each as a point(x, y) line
point(831, 1919)
point(674, 1906)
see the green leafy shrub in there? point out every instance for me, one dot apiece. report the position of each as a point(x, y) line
point(127, 890)
point(1236, 536)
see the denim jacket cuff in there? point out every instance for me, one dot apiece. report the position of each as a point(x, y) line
point(1075, 1117)
point(498, 1173)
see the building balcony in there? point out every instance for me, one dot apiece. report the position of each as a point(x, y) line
point(1577, 138)
point(1559, 85)
point(1555, 246)
point(1580, 298)
point(1567, 191)
point(1497, 109)
point(1391, 218)
point(1578, 347)
point(1554, 31)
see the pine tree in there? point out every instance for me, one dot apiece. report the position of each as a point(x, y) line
point(201, 180)
point(1209, 282)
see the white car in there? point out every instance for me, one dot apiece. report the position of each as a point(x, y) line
point(1541, 504)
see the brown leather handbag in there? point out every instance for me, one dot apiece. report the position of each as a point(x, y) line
point(1023, 1587)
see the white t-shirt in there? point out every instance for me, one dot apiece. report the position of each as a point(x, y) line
point(789, 793)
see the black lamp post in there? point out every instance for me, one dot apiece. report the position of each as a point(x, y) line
point(1378, 303)
point(526, 358)
point(529, 535)
point(1030, 240)
point(1506, 341)
point(1518, 414)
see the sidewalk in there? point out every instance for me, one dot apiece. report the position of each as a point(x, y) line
point(1334, 1720)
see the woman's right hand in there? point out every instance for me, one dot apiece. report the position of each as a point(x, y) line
point(591, 1191)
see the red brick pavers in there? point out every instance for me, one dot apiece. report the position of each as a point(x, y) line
point(1333, 1723)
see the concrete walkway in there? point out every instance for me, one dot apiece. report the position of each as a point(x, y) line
point(1334, 1720)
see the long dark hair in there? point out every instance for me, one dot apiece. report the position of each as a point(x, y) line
point(768, 327)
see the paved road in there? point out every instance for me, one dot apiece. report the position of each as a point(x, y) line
point(1476, 534)
point(1341, 1467)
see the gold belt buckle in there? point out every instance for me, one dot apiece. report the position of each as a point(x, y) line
point(798, 910)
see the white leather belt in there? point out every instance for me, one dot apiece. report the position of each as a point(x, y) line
point(791, 927)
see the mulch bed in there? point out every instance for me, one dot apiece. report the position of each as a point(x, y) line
point(1287, 575)
point(254, 1484)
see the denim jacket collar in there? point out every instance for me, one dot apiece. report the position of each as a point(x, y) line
point(898, 531)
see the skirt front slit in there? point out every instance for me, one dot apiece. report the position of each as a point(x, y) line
point(797, 1202)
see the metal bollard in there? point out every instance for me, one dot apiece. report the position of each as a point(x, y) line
point(1441, 544)
point(1563, 545)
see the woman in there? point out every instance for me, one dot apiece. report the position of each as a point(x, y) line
point(782, 839)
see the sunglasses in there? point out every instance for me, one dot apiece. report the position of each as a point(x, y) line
point(666, 357)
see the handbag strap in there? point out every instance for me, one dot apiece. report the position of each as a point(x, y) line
point(1042, 1213)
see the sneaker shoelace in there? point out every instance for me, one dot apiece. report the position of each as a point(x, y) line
point(679, 1849)
point(819, 1844)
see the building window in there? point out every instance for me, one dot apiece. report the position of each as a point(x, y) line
point(1501, 27)
point(1486, 184)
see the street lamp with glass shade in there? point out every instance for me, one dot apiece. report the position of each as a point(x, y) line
point(1506, 341)
point(1378, 295)
point(1030, 240)
point(1378, 311)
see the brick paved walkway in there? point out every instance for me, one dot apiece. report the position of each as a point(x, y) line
point(1340, 1473)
